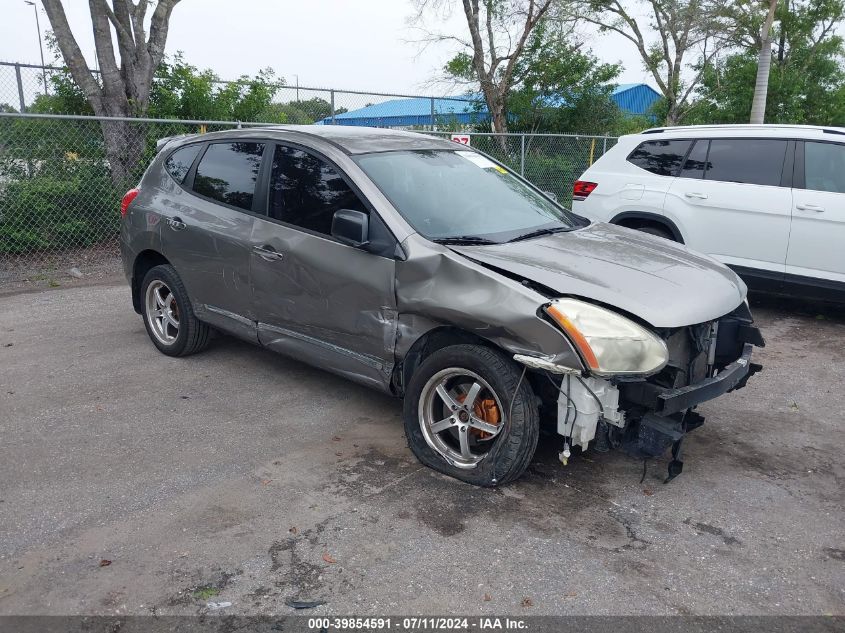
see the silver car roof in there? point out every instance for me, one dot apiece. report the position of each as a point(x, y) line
point(350, 140)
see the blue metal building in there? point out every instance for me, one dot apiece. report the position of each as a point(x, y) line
point(635, 99)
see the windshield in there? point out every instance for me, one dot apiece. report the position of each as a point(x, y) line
point(463, 196)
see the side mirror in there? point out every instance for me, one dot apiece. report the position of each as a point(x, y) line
point(351, 227)
point(549, 194)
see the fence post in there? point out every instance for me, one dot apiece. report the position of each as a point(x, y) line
point(432, 114)
point(522, 155)
point(332, 106)
point(20, 88)
point(604, 147)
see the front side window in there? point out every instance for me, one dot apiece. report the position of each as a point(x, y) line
point(448, 194)
point(228, 172)
point(824, 167)
point(753, 161)
point(306, 191)
point(662, 158)
point(178, 164)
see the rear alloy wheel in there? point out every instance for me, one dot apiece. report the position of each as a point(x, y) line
point(456, 412)
point(168, 316)
point(163, 312)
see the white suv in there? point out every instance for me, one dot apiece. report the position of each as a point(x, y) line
point(767, 200)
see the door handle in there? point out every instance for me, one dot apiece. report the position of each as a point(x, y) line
point(176, 224)
point(268, 253)
point(695, 194)
point(810, 207)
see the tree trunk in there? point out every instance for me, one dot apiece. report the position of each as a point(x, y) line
point(498, 115)
point(123, 90)
point(764, 65)
point(124, 148)
point(673, 110)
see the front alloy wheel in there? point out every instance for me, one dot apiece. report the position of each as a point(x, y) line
point(456, 415)
point(460, 416)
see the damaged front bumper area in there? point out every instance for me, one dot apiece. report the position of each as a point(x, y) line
point(665, 402)
point(646, 416)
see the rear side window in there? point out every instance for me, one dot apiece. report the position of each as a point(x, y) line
point(179, 162)
point(824, 167)
point(696, 161)
point(228, 172)
point(662, 158)
point(753, 161)
point(306, 191)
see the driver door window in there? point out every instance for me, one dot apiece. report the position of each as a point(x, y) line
point(305, 191)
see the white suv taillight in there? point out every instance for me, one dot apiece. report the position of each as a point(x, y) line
point(581, 189)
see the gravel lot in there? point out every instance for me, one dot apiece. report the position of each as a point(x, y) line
point(241, 476)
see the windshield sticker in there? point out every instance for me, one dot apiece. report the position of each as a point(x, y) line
point(481, 161)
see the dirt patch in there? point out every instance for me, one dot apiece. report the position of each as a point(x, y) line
point(97, 265)
point(706, 528)
point(835, 554)
point(300, 563)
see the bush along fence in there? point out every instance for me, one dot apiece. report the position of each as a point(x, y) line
point(61, 183)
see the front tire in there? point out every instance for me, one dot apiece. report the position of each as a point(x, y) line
point(456, 415)
point(168, 317)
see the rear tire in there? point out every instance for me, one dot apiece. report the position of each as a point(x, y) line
point(476, 443)
point(168, 316)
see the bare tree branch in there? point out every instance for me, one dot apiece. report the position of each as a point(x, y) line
point(499, 31)
point(125, 80)
point(677, 30)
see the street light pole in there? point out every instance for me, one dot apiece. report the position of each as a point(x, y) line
point(40, 45)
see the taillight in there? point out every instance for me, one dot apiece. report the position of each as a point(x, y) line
point(128, 197)
point(581, 189)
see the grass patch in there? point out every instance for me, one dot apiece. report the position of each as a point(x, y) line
point(205, 592)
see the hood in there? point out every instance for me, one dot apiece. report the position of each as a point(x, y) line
point(662, 282)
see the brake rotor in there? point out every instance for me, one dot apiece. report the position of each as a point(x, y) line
point(484, 409)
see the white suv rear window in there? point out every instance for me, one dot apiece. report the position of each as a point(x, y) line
point(662, 158)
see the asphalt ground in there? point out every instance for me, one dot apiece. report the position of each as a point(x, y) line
point(131, 482)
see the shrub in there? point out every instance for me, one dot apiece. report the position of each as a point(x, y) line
point(75, 205)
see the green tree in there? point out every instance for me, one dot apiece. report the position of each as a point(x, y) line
point(65, 96)
point(807, 77)
point(668, 35)
point(558, 86)
point(499, 31)
point(122, 87)
point(562, 88)
point(182, 91)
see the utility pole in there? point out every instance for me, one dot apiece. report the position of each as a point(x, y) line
point(40, 45)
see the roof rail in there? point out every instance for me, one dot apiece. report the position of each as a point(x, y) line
point(746, 126)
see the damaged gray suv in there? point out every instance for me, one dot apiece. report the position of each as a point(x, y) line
point(429, 271)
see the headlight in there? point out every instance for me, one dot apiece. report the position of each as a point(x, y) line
point(609, 343)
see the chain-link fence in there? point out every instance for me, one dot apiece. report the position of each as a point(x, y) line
point(27, 88)
point(61, 186)
point(62, 177)
point(552, 162)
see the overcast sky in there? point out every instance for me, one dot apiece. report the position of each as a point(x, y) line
point(361, 45)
